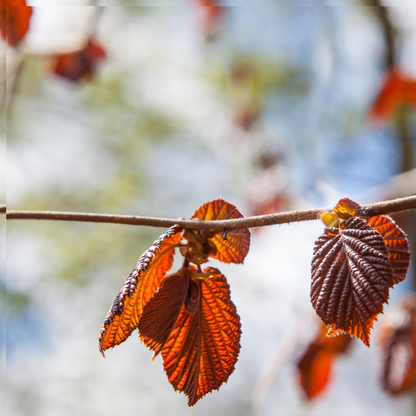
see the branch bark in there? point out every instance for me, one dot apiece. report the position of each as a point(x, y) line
point(390, 34)
point(378, 208)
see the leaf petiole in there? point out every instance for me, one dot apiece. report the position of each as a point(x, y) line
point(199, 275)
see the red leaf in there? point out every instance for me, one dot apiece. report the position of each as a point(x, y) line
point(394, 238)
point(396, 243)
point(397, 90)
point(351, 278)
point(161, 312)
point(192, 298)
point(123, 317)
point(314, 370)
point(398, 340)
point(14, 20)
point(233, 246)
point(80, 64)
point(203, 348)
point(315, 365)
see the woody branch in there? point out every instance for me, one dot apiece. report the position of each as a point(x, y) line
point(378, 208)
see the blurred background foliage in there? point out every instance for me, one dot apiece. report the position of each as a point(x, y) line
point(268, 107)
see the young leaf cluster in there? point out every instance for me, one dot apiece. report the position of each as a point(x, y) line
point(355, 263)
point(188, 316)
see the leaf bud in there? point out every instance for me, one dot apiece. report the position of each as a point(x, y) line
point(330, 219)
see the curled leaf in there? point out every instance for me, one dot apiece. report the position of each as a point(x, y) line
point(351, 278)
point(161, 312)
point(396, 243)
point(192, 298)
point(234, 245)
point(123, 317)
point(346, 208)
point(203, 347)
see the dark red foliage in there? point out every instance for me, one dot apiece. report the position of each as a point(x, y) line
point(354, 266)
point(351, 278)
point(80, 64)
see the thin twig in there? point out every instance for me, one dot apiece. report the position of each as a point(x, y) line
point(378, 208)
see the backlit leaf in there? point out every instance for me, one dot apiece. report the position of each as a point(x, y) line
point(232, 246)
point(396, 243)
point(141, 285)
point(203, 348)
point(14, 20)
point(161, 312)
point(316, 363)
point(346, 208)
point(330, 219)
point(398, 341)
point(351, 278)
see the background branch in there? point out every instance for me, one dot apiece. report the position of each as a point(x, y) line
point(378, 208)
point(393, 38)
point(389, 32)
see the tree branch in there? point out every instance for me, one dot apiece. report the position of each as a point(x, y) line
point(389, 32)
point(378, 208)
point(2, 208)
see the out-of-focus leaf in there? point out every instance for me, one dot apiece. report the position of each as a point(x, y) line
point(80, 64)
point(397, 90)
point(351, 278)
point(396, 243)
point(314, 370)
point(209, 16)
point(268, 192)
point(243, 92)
point(398, 341)
point(233, 246)
point(161, 312)
point(203, 348)
point(123, 317)
point(346, 208)
point(14, 20)
point(316, 363)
